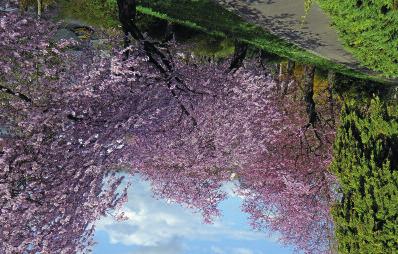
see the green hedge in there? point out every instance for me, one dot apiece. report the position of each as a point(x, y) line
point(366, 165)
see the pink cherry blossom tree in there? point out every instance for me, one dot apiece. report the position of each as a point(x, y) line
point(77, 117)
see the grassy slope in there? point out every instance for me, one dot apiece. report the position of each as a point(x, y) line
point(207, 16)
point(369, 30)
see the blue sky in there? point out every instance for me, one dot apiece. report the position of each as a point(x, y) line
point(158, 227)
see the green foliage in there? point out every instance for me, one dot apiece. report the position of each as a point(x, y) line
point(102, 13)
point(24, 4)
point(366, 165)
point(307, 8)
point(307, 5)
point(369, 29)
point(205, 46)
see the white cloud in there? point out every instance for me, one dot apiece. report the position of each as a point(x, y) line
point(229, 188)
point(229, 250)
point(241, 251)
point(153, 223)
point(172, 247)
point(217, 250)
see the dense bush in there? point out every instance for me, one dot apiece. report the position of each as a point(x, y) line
point(366, 165)
point(369, 29)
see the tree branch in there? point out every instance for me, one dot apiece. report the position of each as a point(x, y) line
point(11, 92)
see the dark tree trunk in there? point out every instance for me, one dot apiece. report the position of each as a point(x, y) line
point(169, 34)
point(290, 72)
point(278, 76)
point(290, 68)
point(331, 84)
point(239, 56)
point(161, 61)
point(308, 86)
point(127, 13)
point(17, 94)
